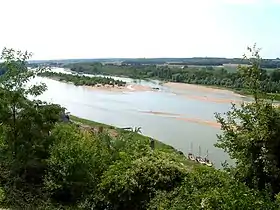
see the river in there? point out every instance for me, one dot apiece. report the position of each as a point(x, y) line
point(174, 116)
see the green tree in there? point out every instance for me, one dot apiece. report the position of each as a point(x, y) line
point(205, 188)
point(25, 128)
point(251, 134)
point(131, 183)
point(275, 75)
point(72, 165)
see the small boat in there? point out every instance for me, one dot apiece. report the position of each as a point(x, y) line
point(199, 159)
point(207, 161)
point(190, 154)
point(191, 157)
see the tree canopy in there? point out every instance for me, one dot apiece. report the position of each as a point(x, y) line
point(251, 134)
point(83, 80)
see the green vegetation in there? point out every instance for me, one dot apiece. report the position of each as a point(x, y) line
point(125, 133)
point(196, 61)
point(82, 80)
point(219, 77)
point(251, 134)
point(112, 70)
point(46, 163)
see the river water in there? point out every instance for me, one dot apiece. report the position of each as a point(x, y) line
point(174, 116)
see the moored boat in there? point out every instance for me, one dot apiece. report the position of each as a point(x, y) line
point(191, 155)
point(207, 161)
point(199, 159)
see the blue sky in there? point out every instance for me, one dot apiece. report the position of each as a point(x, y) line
point(255, 22)
point(57, 29)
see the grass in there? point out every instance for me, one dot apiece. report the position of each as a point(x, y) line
point(89, 122)
point(158, 144)
point(111, 129)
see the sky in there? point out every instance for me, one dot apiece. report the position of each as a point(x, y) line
point(62, 29)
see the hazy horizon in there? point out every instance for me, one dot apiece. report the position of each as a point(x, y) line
point(92, 29)
point(104, 58)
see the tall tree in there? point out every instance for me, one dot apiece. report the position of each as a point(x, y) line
point(251, 133)
point(25, 126)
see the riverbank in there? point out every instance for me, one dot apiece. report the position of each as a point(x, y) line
point(215, 89)
point(114, 131)
point(205, 89)
point(110, 84)
point(186, 86)
point(126, 88)
point(104, 87)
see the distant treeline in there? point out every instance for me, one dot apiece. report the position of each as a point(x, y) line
point(266, 63)
point(270, 80)
point(198, 61)
point(83, 80)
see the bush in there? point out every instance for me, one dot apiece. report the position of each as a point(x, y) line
point(77, 160)
point(132, 183)
point(206, 188)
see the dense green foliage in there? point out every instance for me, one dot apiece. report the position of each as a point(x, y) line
point(251, 135)
point(2, 69)
point(209, 189)
point(49, 164)
point(270, 81)
point(199, 61)
point(82, 80)
point(24, 132)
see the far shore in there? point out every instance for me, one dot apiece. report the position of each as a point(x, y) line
point(214, 89)
point(186, 86)
point(178, 86)
point(126, 88)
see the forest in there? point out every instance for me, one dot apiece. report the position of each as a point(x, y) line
point(270, 79)
point(198, 61)
point(47, 163)
point(83, 80)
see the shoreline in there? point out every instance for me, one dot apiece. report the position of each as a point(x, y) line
point(126, 88)
point(203, 88)
point(217, 89)
point(114, 131)
point(213, 89)
point(184, 86)
point(96, 127)
point(137, 87)
point(179, 86)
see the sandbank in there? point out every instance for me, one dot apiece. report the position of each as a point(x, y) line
point(185, 86)
point(126, 88)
